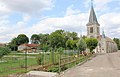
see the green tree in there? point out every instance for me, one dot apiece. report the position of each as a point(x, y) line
point(13, 44)
point(81, 45)
point(117, 41)
point(35, 39)
point(68, 44)
point(22, 38)
point(71, 44)
point(43, 38)
point(91, 43)
point(71, 35)
point(56, 40)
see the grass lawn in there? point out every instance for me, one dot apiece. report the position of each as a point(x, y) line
point(11, 65)
point(15, 62)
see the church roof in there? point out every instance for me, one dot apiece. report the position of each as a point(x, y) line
point(92, 17)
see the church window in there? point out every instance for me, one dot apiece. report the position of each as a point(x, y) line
point(91, 29)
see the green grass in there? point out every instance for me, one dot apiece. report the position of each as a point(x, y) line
point(15, 65)
point(16, 61)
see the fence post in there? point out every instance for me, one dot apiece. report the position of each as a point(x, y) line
point(59, 63)
point(26, 59)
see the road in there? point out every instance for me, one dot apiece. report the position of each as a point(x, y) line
point(105, 65)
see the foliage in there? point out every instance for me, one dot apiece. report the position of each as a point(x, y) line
point(81, 45)
point(56, 69)
point(22, 38)
point(34, 39)
point(71, 44)
point(60, 50)
point(39, 59)
point(117, 41)
point(56, 39)
point(53, 69)
point(43, 38)
point(91, 43)
point(4, 51)
point(13, 44)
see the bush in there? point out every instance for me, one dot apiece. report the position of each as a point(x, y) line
point(56, 69)
point(4, 51)
point(39, 60)
point(53, 69)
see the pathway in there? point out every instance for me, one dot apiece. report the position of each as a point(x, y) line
point(105, 65)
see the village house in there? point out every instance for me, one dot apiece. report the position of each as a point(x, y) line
point(28, 47)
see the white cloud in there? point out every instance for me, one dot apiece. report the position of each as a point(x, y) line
point(27, 6)
point(111, 23)
point(74, 20)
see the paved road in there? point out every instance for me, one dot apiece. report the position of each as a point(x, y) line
point(105, 65)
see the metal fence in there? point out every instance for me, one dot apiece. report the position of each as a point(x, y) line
point(17, 63)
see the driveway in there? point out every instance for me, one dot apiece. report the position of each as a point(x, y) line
point(104, 65)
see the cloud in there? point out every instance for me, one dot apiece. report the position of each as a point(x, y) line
point(26, 6)
point(111, 23)
point(73, 20)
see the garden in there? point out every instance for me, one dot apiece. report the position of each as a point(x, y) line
point(18, 63)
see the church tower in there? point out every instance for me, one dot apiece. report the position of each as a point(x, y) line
point(93, 27)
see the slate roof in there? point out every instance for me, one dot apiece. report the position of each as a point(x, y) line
point(92, 17)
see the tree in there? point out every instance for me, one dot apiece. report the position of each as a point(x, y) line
point(4, 51)
point(91, 43)
point(43, 38)
point(71, 44)
point(13, 44)
point(35, 39)
point(56, 40)
point(22, 38)
point(81, 45)
point(71, 35)
point(117, 41)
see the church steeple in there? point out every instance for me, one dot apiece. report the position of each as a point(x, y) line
point(92, 17)
point(93, 27)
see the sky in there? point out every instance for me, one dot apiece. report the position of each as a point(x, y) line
point(45, 16)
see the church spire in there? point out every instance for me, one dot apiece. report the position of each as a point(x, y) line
point(92, 17)
point(103, 34)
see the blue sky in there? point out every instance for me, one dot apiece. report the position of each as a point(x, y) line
point(45, 16)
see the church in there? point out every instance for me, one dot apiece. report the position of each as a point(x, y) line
point(105, 44)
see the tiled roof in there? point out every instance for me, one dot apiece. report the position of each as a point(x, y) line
point(31, 45)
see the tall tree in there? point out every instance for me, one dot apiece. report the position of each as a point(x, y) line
point(35, 39)
point(13, 44)
point(43, 38)
point(81, 45)
point(71, 44)
point(91, 43)
point(56, 39)
point(117, 41)
point(22, 38)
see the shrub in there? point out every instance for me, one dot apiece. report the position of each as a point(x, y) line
point(4, 51)
point(53, 69)
point(56, 69)
point(39, 60)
